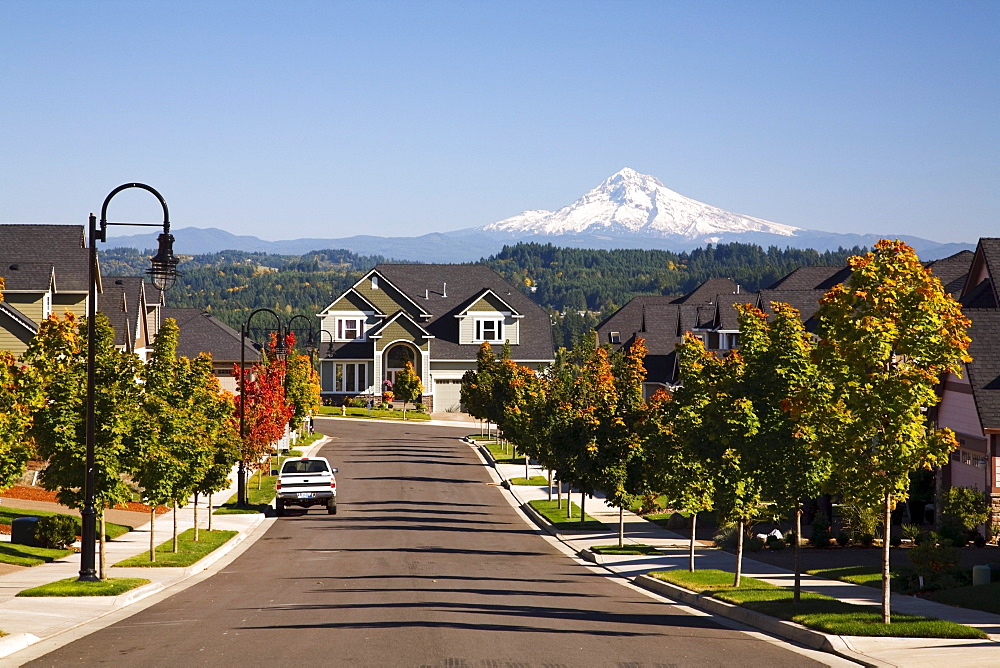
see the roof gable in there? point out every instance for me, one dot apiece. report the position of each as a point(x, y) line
point(489, 298)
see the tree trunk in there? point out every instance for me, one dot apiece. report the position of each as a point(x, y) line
point(621, 527)
point(694, 528)
point(550, 486)
point(176, 550)
point(569, 501)
point(739, 553)
point(104, 554)
point(152, 528)
point(798, 544)
point(526, 476)
point(583, 505)
point(559, 494)
point(887, 519)
point(209, 512)
point(196, 517)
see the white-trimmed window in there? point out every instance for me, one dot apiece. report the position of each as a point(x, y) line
point(615, 337)
point(351, 329)
point(350, 377)
point(489, 329)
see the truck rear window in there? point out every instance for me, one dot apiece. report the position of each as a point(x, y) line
point(300, 466)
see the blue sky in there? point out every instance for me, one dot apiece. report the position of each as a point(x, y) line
point(324, 119)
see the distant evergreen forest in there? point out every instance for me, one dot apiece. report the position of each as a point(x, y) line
point(577, 286)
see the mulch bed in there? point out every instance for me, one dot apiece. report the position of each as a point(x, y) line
point(26, 493)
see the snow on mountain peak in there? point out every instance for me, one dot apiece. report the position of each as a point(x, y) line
point(634, 204)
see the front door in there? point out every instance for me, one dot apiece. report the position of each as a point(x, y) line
point(396, 359)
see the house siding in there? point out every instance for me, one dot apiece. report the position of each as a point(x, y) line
point(386, 298)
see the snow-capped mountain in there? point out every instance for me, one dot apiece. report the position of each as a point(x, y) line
point(632, 204)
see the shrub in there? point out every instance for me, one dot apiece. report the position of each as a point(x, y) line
point(821, 533)
point(979, 540)
point(790, 537)
point(843, 538)
point(866, 539)
point(860, 521)
point(775, 543)
point(57, 531)
point(754, 544)
point(935, 561)
point(951, 529)
point(419, 408)
point(677, 521)
point(964, 506)
point(911, 531)
point(896, 541)
point(725, 538)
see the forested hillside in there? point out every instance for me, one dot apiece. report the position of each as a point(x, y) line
point(578, 286)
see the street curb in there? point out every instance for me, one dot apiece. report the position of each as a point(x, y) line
point(209, 559)
point(788, 630)
point(15, 642)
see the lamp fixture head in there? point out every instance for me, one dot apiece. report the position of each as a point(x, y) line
point(163, 271)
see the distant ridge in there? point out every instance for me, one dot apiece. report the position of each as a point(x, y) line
point(627, 210)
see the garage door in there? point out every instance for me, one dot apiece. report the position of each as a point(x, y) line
point(448, 395)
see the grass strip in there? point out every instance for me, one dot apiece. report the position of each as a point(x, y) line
point(9, 513)
point(982, 597)
point(814, 611)
point(73, 587)
point(635, 548)
point(869, 576)
point(188, 551)
point(258, 500)
point(534, 481)
point(25, 555)
point(502, 454)
point(557, 516)
point(363, 413)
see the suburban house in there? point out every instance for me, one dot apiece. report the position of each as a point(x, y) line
point(132, 306)
point(970, 405)
point(200, 332)
point(45, 271)
point(435, 316)
point(707, 312)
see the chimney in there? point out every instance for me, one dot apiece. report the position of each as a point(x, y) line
point(427, 294)
point(444, 290)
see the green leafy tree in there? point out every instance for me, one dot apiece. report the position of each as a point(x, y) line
point(302, 389)
point(56, 360)
point(675, 465)
point(408, 387)
point(719, 423)
point(779, 367)
point(477, 386)
point(886, 337)
point(15, 419)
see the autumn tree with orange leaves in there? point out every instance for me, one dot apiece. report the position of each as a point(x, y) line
point(886, 337)
point(266, 410)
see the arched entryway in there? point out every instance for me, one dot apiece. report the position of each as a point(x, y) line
point(396, 358)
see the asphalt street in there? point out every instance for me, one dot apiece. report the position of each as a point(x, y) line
point(426, 564)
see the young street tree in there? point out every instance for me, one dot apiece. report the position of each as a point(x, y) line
point(778, 368)
point(15, 417)
point(266, 410)
point(477, 386)
point(56, 360)
point(408, 387)
point(302, 388)
point(886, 337)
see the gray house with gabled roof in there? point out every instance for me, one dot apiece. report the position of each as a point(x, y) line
point(435, 316)
point(201, 332)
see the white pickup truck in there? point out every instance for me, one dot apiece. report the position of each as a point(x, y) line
point(305, 482)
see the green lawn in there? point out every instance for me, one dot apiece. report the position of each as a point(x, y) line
point(984, 597)
point(814, 610)
point(188, 551)
point(533, 481)
point(73, 587)
point(24, 555)
point(502, 454)
point(870, 576)
point(375, 413)
point(258, 500)
point(9, 513)
point(557, 516)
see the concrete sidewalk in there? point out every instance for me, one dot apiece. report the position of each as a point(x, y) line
point(31, 620)
point(674, 547)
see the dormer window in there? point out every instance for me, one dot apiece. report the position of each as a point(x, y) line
point(489, 329)
point(615, 337)
point(374, 281)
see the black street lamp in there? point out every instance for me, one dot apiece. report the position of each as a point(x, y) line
point(279, 351)
point(310, 343)
point(163, 272)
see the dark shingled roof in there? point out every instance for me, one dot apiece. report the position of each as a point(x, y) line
point(120, 303)
point(63, 246)
point(465, 281)
point(29, 276)
point(202, 333)
point(707, 291)
point(812, 278)
point(984, 369)
point(952, 271)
